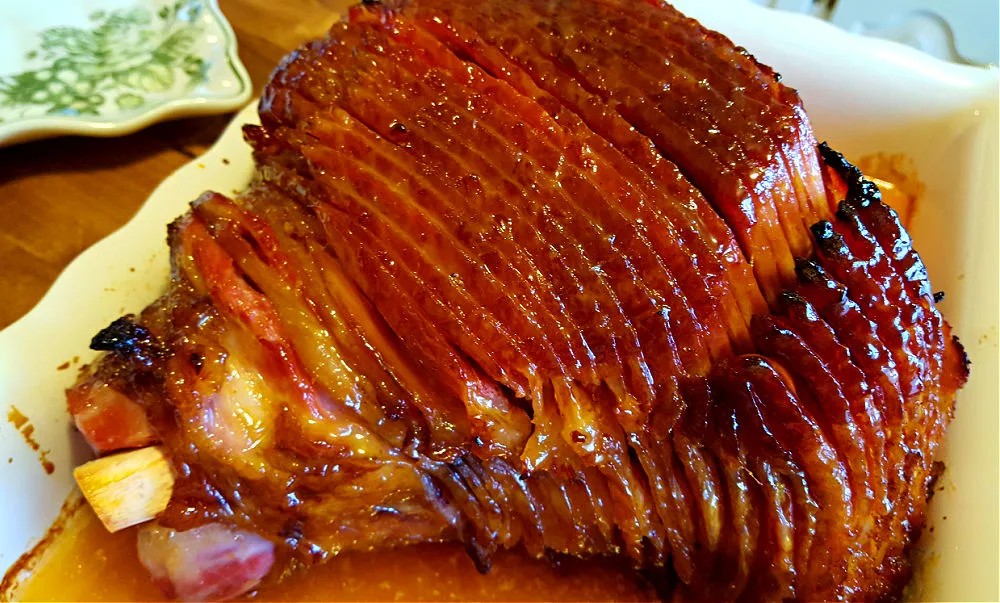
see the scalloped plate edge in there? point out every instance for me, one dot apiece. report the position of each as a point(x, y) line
point(50, 126)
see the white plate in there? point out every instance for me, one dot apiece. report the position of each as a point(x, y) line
point(863, 95)
point(111, 67)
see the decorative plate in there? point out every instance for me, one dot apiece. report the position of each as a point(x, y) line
point(863, 95)
point(111, 67)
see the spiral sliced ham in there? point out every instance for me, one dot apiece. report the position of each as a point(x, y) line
point(569, 275)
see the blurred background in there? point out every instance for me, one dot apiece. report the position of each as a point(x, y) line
point(963, 31)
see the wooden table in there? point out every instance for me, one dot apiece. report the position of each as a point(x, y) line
point(60, 196)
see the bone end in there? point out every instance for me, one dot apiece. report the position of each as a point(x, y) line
point(127, 488)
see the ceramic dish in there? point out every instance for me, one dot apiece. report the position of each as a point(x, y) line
point(961, 31)
point(864, 96)
point(111, 67)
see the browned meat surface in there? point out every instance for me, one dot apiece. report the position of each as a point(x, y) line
point(569, 275)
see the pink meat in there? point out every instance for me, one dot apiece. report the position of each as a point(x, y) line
point(213, 562)
point(108, 419)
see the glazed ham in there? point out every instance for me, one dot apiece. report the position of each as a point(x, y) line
point(567, 275)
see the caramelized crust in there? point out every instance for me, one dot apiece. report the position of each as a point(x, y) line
point(567, 275)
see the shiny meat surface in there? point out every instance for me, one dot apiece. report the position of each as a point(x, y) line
point(208, 563)
point(572, 276)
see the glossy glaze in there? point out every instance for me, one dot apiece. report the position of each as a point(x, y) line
point(495, 285)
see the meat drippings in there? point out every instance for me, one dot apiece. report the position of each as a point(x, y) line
point(897, 178)
point(83, 562)
point(23, 425)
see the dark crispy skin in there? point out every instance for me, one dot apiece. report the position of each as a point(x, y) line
point(568, 275)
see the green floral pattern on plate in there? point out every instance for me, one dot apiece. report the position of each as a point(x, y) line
point(123, 58)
